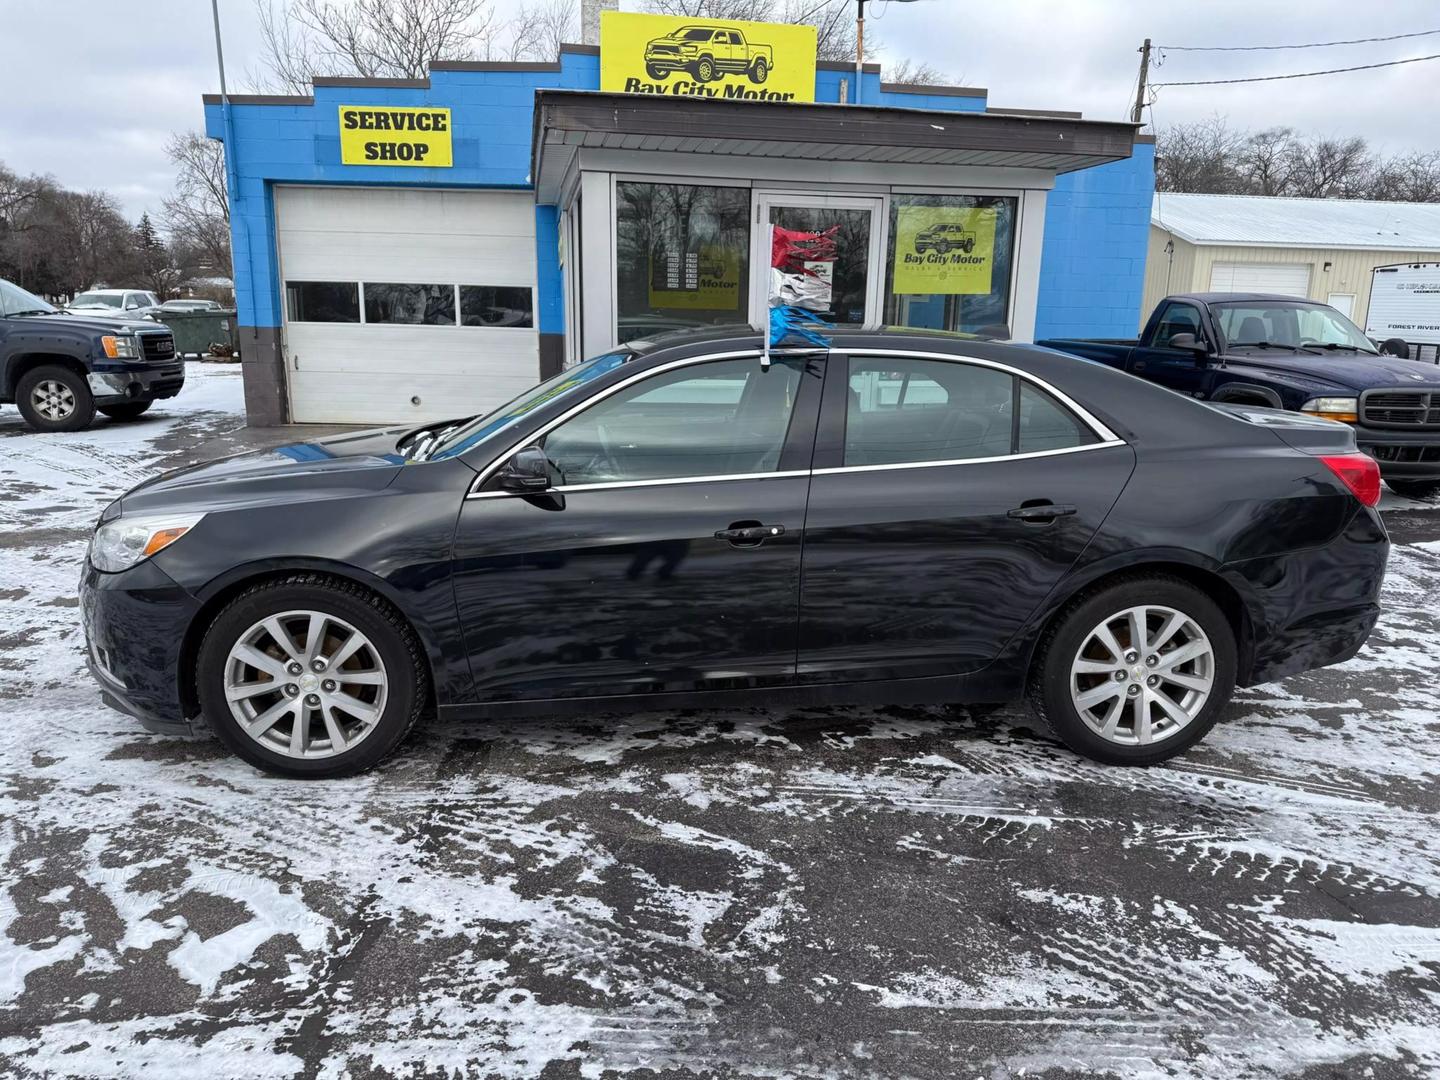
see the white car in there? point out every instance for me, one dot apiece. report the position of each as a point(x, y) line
point(124, 303)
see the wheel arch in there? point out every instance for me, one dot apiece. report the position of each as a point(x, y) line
point(219, 592)
point(1193, 569)
point(1247, 394)
point(25, 362)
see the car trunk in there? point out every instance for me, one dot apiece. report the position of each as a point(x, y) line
point(1309, 434)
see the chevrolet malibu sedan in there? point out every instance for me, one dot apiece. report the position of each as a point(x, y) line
point(902, 517)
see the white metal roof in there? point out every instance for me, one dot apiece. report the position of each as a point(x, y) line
point(1267, 221)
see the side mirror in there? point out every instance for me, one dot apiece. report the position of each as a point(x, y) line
point(1188, 343)
point(527, 471)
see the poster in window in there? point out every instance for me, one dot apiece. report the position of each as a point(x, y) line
point(944, 250)
point(703, 280)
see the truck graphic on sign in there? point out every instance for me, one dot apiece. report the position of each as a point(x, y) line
point(943, 238)
point(707, 53)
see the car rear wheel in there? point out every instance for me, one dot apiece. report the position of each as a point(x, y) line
point(55, 398)
point(311, 677)
point(1424, 490)
point(1136, 672)
point(130, 410)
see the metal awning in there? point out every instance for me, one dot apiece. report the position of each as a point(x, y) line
point(569, 120)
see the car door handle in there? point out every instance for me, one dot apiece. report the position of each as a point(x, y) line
point(1046, 511)
point(749, 533)
point(1139, 365)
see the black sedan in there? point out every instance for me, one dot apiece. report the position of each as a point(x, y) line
point(905, 517)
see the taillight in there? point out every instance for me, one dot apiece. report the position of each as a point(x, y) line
point(1359, 473)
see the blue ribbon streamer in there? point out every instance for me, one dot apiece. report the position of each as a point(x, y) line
point(785, 321)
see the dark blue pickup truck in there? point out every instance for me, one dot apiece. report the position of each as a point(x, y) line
point(1284, 353)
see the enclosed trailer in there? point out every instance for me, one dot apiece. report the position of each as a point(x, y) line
point(1405, 304)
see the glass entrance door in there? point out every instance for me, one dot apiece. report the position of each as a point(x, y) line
point(855, 278)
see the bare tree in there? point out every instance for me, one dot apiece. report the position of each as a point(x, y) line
point(197, 212)
point(1265, 161)
point(834, 20)
point(1330, 168)
point(1198, 157)
point(540, 28)
point(1409, 178)
point(915, 72)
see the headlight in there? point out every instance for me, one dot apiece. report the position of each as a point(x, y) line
point(120, 347)
point(1333, 408)
point(120, 544)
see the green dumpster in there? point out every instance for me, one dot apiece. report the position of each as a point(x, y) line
point(196, 331)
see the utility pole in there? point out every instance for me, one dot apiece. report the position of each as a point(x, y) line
point(859, 47)
point(1139, 110)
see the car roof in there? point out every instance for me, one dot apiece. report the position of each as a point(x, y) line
point(741, 336)
point(1242, 297)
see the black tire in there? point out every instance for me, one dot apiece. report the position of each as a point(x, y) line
point(31, 390)
point(705, 69)
point(130, 410)
point(1049, 689)
point(969, 246)
point(943, 247)
point(759, 71)
point(1424, 490)
point(393, 639)
point(656, 72)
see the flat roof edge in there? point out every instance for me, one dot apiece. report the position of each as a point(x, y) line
point(938, 89)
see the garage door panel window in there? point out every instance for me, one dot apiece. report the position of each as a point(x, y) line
point(496, 305)
point(904, 411)
point(323, 301)
point(723, 418)
point(416, 305)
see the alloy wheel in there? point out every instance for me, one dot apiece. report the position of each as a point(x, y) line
point(1142, 675)
point(305, 684)
point(53, 400)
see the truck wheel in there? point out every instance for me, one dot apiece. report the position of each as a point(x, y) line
point(55, 398)
point(943, 247)
point(705, 69)
point(656, 72)
point(1424, 490)
point(969, 246)
point(760, 71)
point(131, 410)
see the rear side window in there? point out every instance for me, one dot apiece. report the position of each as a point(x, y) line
point(918, 410)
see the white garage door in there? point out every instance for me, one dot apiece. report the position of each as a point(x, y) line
point(406, 305)
point(1287, 279)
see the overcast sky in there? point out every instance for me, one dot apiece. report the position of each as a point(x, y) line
point(89, 89)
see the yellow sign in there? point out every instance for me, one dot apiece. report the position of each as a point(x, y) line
point(944, 250)
point(706, 58)
point(389, 135)
point(704, 280)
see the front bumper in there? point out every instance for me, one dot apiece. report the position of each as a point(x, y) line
point(135, 622)
point(1402, 455)
point(137, 384)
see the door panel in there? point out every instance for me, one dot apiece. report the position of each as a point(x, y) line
point(921, 571)
point(627, 590)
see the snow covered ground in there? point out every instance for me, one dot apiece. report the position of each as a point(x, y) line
point(812, 893)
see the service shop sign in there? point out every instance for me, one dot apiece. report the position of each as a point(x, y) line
point(706, 58)
point(944, 250)
point(389, 135)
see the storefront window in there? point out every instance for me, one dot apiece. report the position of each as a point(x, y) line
point(950, 262)
point(682, 257)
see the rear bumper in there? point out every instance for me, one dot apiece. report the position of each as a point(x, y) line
point(1316, 607)
point(134, 624)
point(139, 384)
point(1402, 455)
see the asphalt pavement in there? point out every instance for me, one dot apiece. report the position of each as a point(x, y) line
point(866, 893)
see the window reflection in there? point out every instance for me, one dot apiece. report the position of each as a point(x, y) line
point(950, 261)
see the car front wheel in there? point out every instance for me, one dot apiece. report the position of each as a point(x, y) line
point(55, 398)
point(311, 677)
point(1136, 672)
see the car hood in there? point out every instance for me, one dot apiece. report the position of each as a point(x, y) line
point(94, 319)
point(1357, 372)
point(317, 469)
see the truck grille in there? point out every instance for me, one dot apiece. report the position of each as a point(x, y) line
point(1400, 408)
point(158, 346)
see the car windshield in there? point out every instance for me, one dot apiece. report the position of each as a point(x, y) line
point(692, 33)
point(1292, 326)
point(16, 301)
point(472, 431)
point(95, 299)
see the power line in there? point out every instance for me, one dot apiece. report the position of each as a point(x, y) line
point(1299, 74)
point(1311, 45)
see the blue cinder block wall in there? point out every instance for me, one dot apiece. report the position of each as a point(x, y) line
point(1092, 266)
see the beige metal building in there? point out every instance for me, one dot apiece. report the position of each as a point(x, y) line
point(1321, 249)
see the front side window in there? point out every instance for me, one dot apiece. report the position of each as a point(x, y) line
point(1178, 319)
point(725, 417)
point(323, 301)
point(917, 410)
point(950, 261)
point(682, 257)
point(419, 305)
